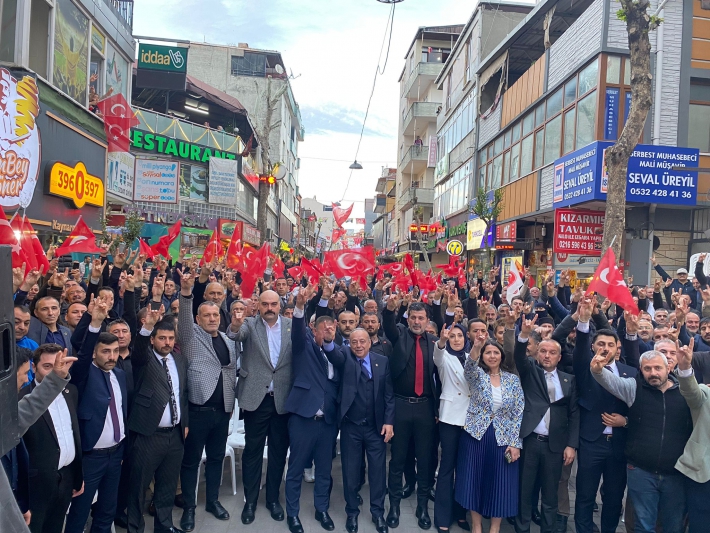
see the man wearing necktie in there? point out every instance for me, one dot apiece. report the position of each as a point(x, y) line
point(415, 378)
point(312, 427)
point(159, 420)
point(550, 427)
point(102, 413)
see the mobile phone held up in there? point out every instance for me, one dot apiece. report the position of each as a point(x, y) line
point(155, 306)
point(508, 457)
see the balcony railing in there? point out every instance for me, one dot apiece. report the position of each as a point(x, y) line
point(415, 196)
point(187, 131)
point(423, 110)
point(415, 153)
point(431, 70)
point(124, 8)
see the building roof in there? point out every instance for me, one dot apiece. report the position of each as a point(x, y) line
point(193, 85)
point(436, 33)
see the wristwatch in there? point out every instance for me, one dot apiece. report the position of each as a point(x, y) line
point(626, 423)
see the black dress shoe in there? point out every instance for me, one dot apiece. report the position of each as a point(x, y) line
point(187, 522)
point(216, 508)
point(325, 521)
point(277, 512)
point(463, 524)
point(393, 515)
point(536, 518)
point(294, 524)
point(561, 524)
point(248, 513)
point(174, 530)
point(380, 524)
point(121, 520)
point(407, 491)
point(422, 514)
point(151, 508)
point(351, 524)
point(179, 501)
point(359, 499)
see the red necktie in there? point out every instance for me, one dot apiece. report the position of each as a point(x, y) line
point(419, 367)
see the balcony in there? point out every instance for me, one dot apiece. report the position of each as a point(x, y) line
point(415, 159)
point(187, 131)
point(418, 117)
point(425, 73)
point(415, 196)
point(380, 203)
point(124, 8)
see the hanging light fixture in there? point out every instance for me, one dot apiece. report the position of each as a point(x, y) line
point(356, 165)
point(390, 1)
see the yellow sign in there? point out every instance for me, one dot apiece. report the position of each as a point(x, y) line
point(474, 233)
point(454, 247)
point(76, 184)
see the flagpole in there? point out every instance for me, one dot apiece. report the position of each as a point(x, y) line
point(612, 241)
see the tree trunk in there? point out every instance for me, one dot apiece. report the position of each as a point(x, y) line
point(617, 157)
point(265, 141)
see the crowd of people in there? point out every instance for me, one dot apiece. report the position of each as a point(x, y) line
point(131, 373)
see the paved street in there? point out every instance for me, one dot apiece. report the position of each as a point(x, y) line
point(206, 523)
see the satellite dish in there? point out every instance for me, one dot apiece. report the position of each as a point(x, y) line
point(279, 69)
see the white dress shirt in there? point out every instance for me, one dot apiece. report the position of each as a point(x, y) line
point(273, 334)
point(497, 396)
point(59, 411)
point(106, 438)
point(541, 428)
point(608, 429)
point(166, 420)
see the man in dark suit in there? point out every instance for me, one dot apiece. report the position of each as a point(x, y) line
point(158, 421)
point(550, 427)
point(416, 395)
point(54, 447)
point(602, 429)
point(312, 427)
point(366, 414)
point(371, 323)
point(102, 412)
point(44, 326)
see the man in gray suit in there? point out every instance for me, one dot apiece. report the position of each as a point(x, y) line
point(211, 377)
point(264, 384)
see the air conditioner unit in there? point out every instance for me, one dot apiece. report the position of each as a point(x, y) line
point(269, 234)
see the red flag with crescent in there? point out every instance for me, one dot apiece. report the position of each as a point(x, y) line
point(609, 282)
point(340, 215)
point(118, 120)
point(81, 239)
point(356, 263)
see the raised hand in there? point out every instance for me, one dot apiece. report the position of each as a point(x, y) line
point(600, 360)
point(153, 317)
point(669, 282)
point(304, 295)
point(100, 311)
point(97, 269)
point(119, 259)
point(328, 290)
point(187, 281)
point(444, 336)
point(585, 310)
point(60, 279)
point(551, 291)
point(393, 303)
point(685, 355)
point(31, 278)
point(632, 323)
point(653, 260)
point(62, 364)
point(18, 276)
point(510, 317)
point(528, 326)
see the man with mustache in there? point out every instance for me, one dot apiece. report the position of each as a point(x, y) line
point(265, 380)
point(102, 412)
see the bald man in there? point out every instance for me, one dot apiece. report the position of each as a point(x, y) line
point(265, 380)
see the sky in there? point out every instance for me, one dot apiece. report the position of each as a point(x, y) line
point(332, 48)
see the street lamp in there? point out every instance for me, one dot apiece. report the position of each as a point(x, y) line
point(356, 165)
point(390, 1)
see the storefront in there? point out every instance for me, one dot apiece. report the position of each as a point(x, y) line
point(52, 169)
point(479, 247)
point(441, 233)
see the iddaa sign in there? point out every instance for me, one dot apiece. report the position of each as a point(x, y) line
point(160, 57)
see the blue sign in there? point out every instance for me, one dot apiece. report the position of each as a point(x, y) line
point(611, 113)
point(582, 177)
point(627, 105)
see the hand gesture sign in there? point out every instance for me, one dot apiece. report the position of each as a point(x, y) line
point(685, 356)
point(62, 364)
point(528, 326)
point(585, 310)
point(304, 295)
point(602, 358)
point(632, 323)
point(444, 336)
point(153, 317)
point(31, 278)
point(18, 276)
point(187, 281)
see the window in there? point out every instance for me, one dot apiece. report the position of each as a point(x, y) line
point(506, 167)
point(540, 115)
point(568, 145)
point(586, 119)
point(514, 161)
point(526, 156)
point(528, 122)
point(71, 51)
point(539, 147)
point(554, 104)
point(553, 136)
point(498, 146)
point(506, 139)
point(39, 37)
point(571, 91)
point(495, 181)
point(627, 71)
point(250, 64)
point(588, 78)
point(516, 132)
point(613, 69)
point(699, 123)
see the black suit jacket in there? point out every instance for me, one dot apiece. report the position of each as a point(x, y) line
point(564, 413)
point(43, 446)
point(343, 359)
point(151, 388)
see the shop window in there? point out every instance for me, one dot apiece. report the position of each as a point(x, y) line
point(568, 145)
point(586, 119)
point(39, 37)
point(613, 69)
point(570, 91)
point(588, 77)
point(553, 136)
point(554, 104)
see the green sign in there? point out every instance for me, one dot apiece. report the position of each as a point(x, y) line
point(450, 231)
point(160, 57)
point(159, 144)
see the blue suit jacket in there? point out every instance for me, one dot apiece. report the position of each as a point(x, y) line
point(312, 390)
point(94, 393)
point(593, 398)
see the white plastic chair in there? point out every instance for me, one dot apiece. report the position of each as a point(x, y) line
point(228, 452)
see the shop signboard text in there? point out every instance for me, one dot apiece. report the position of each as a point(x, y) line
point(160, 57)
point(76, 184)
point(156, 181)
point(159, 144)
point(578, 231)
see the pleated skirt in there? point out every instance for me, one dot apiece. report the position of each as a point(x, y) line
point(485, 482)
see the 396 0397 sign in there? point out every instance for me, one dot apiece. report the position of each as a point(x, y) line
point(76, 184)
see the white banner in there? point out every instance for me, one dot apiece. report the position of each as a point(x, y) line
point(223, 179)
point(120, 174)
point(156, 181)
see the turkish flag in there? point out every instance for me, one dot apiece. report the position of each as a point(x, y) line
point(25, 241)
point(214, 249)
point(340, 215)
point(393, 268)
point(161, 247)
point(145, 249)
point(8, 236)
point(609, 282)
point(355, 263)
point(42, 261)
point(118, 120)
point(313, 269)
point(279, 268)
point(337, 234)
point(234, 250)
point(296, 273)
point(80, 240)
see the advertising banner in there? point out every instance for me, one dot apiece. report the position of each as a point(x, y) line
point(71, 51)
point(156, 181)
point(474, 234)
point(224, 176)
point(119, 181)
point(507, 231)
point(611, 113)
point(578, 231)
point(161, 57)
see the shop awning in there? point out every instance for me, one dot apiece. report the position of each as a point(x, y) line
point(193, 85)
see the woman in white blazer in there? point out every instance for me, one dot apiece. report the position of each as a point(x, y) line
point(449, 357)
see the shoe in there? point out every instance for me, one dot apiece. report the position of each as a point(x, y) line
point(511, 520)
point(422, 514)
point(179, 501)
point(121, 521)
point(432, 495)
point(309, 475)
point(187, 522)
point(325, 521)
point(248, 513)
point(380, 524)
point(393, 515)
point(151, 508)
point(216, 508)
point(407, 491)
point(561, 524)
point(174, 530)
point(294, 524)
point(463, 524)
point(536, 518)
point(351, 524)
point(277, 512)
point(359, 499)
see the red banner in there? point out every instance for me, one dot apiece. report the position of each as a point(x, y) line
point(578, 231)
point(507, 231)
